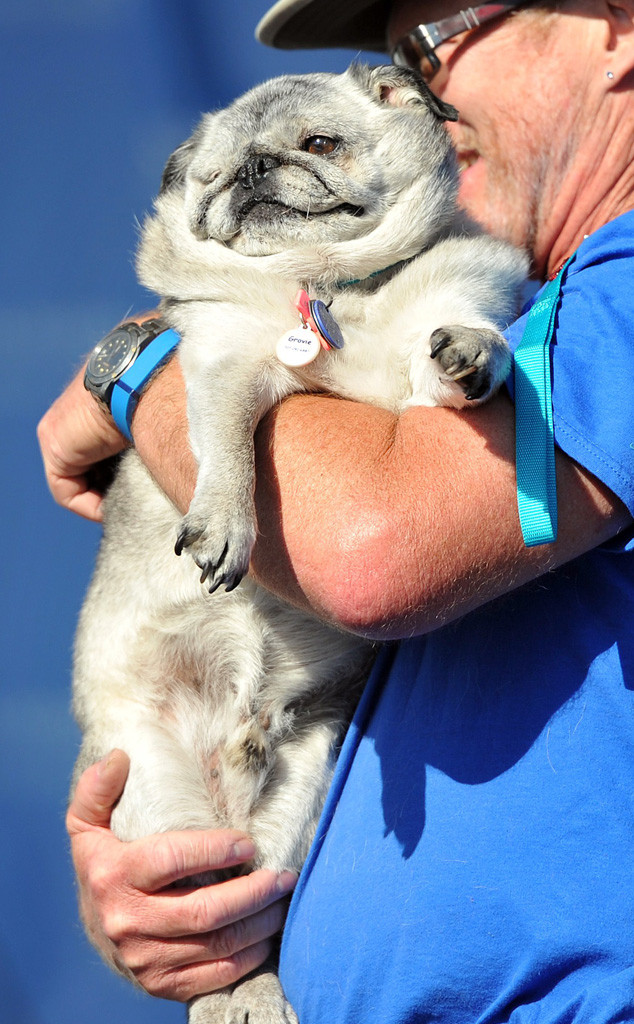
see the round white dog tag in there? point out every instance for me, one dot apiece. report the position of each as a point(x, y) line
point(298, 347)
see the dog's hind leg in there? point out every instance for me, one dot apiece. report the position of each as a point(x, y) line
point(258, 999)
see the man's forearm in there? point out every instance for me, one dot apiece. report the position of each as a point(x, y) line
point(385, 525)
point(393, 525)
point(161, 435)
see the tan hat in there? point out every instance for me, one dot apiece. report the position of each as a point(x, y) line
point(319, 24)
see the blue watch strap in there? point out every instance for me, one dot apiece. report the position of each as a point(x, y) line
point(534, 433)
point(129, 388)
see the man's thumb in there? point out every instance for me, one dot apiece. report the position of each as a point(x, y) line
point(97, 792)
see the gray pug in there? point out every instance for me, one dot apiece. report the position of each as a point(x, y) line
point(231, 706)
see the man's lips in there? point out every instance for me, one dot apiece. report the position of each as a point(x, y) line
point(465, 143)
point(466, 158)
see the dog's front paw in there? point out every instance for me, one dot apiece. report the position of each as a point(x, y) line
point(475, 358)
point(220, 550)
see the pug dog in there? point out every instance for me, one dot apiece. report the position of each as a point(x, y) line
point(307, 238)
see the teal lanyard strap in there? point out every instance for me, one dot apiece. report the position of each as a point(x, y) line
point(534, 436)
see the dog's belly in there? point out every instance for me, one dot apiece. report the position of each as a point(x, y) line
point(230, 706)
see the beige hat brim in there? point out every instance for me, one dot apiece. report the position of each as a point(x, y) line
point(321, 24)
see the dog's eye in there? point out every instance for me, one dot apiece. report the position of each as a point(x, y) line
point(319, 145)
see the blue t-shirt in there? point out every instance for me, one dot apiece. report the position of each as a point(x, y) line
point(475, 859)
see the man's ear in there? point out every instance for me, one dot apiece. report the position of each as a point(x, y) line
point(619, 53)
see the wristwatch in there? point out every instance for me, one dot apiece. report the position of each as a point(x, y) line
point(121, 364)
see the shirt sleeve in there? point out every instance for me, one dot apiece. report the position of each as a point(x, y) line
point(592, 355)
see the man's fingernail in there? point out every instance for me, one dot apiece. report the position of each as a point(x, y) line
point(286, 881)
point(104, 765)
point(244, 849)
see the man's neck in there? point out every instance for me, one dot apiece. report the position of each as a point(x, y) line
point(592, 195)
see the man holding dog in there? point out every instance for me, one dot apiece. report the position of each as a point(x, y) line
point(476, 861)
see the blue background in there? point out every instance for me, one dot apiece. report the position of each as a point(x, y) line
point(94, 95)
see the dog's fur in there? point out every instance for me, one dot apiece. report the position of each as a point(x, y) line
point(232, 706)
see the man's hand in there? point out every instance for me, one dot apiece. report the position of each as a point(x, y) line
point(76, 434)
point(175, 943)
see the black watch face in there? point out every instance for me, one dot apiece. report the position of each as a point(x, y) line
point(111, 356)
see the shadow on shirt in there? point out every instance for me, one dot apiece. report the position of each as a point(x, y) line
point(547, 671)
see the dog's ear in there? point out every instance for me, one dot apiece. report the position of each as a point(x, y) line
point(400, 87)
point(176, 167)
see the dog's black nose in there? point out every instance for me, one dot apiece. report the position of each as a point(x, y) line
point(255, 169)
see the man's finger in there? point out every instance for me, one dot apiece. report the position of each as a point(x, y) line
point(195, 979)
point(97, 792)
point(217, 907)
point(88, 505)
point(75, 494)
point(160, 860)
point(224, 943)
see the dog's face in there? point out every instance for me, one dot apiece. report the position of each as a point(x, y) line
point(305, 159)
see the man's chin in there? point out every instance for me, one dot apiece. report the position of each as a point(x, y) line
point(488, 208)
